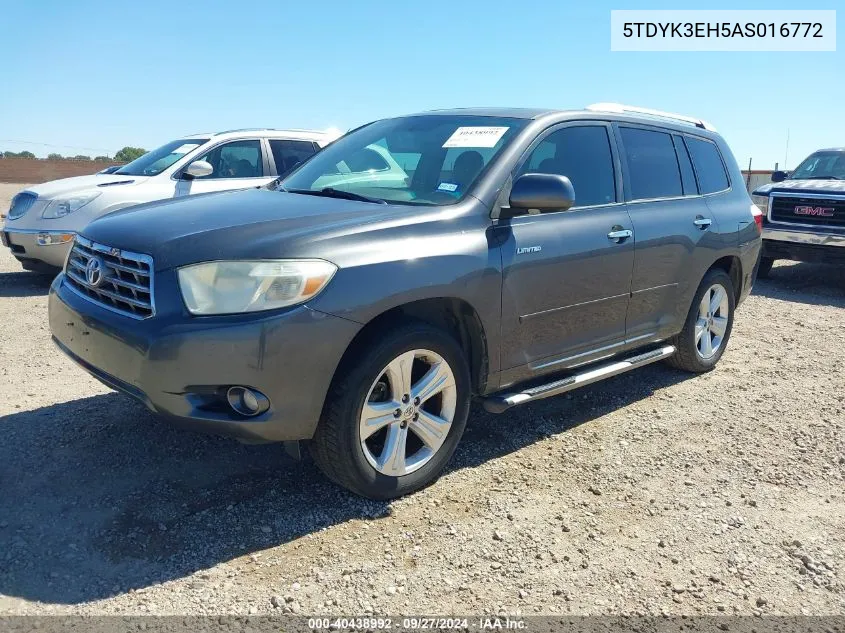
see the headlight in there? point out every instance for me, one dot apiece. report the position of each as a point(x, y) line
point(61, 207)
point(250, 286)
point(762, 203)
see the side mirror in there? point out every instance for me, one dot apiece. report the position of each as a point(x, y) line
point(544, 192)
point(779, 176)
point(197, 169)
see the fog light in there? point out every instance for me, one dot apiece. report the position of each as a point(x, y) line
point(246, 401)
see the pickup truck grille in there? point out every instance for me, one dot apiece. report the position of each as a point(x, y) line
point(117, 280)
point(809, 210)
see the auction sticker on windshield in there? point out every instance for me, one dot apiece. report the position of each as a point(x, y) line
point(475, 136)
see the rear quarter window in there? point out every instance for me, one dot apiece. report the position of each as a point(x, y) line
point(708, 164)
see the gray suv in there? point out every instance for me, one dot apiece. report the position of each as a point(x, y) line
point(415, 263)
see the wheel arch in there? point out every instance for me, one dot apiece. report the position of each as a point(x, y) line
point(453, 315)
point(732, 265)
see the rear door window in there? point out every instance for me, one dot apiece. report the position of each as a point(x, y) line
point(582, 154)
point(288, 154)
point(653, 170)
point(709, 166)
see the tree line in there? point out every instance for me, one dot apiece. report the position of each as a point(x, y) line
point(124, 155)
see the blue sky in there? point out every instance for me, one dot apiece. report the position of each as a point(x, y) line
point(101, 75)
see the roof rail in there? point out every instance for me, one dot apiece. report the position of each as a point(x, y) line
point(622, 108)
point(273, 129)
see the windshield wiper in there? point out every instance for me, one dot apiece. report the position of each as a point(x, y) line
point(331, 192)
point(821, 178)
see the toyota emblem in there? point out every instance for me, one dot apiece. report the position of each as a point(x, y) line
point(94, 272)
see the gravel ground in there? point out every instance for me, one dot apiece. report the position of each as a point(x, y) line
point(654, 492)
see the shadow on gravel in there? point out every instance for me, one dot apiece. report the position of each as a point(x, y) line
point(100, 497)
point(24, 284)
point(814, 284)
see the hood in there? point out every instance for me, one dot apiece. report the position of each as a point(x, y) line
point(802, 186)
point(56, 188)
point(247, 224)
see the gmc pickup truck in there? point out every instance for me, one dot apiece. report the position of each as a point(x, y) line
point(805, 212)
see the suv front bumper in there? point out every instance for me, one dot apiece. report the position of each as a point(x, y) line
point(804, 245)
point(180, 366)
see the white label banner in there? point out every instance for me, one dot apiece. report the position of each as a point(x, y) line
point(723, 30)
point(476, 136)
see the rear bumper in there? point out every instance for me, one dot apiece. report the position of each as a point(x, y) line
point(803, 245)
point(181, 366)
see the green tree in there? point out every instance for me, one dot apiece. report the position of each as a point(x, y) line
point(54, 156)
point(81, 157)
point(102, 158)
point(23, 154)
point(128, 154)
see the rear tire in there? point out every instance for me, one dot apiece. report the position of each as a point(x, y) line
point(765, 267)
point(708, 327)
point(407, 433)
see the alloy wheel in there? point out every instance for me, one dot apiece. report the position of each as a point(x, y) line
point(712, 323)
point(408, 412)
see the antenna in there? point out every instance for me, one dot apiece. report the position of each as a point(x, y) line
point(786, 156)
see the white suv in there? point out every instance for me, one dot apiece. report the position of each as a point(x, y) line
point(43, 219)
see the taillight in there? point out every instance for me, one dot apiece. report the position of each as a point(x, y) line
point(758, 218)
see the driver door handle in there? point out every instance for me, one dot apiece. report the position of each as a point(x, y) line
point(619, 235)
point(702, 222)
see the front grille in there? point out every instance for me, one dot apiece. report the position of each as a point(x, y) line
point(117, 280)
point(21, 203)
point(809, 210)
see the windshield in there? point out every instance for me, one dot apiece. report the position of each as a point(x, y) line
point(156, 161)
point(821, 165)
point(429, 159)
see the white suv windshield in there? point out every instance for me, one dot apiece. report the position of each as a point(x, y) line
point(427, 159)
point(156, 161)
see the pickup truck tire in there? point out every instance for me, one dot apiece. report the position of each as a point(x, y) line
point(765, 267)
point(395, 413)
point(708, 326)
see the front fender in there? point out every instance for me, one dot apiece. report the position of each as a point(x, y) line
point(378, 276)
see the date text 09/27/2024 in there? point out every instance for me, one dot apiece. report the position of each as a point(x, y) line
point(417, 623)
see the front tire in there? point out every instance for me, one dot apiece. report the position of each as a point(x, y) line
point(708, 327)
point(395, 413)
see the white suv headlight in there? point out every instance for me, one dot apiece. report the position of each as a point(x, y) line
point(60, 207)
point(229, 287)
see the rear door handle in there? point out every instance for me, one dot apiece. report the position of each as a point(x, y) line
point(702, 222)
point(619, 235)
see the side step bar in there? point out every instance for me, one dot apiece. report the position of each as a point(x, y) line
point(501, 402)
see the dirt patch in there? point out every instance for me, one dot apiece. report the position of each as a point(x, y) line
point(654, 492)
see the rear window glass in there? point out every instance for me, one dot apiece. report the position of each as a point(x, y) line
point(653, 170)
point(708, 165)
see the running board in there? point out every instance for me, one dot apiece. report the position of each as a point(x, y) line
point(501, 402)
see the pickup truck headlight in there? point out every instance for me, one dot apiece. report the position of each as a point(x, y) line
point(762, 203)
point(61, 207)
point(230, 287)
